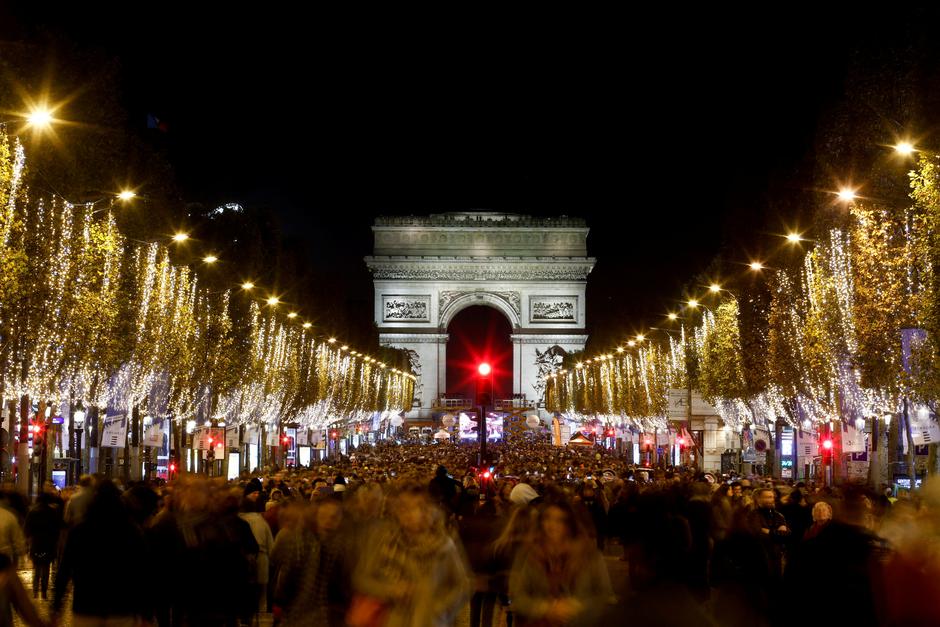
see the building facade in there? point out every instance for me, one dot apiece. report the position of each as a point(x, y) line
point(533, 270)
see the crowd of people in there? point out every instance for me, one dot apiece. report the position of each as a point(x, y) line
point(417, 535)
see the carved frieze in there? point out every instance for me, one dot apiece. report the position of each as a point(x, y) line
point(406, 308)
point(513, 299)
point(553, 309)
point(457, 271)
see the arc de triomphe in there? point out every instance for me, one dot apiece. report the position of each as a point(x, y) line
point(427, 269)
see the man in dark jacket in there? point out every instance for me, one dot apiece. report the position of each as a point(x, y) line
point(771, 527)
point(445, 489)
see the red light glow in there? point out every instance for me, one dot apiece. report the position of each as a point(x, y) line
point(827, 444)
point(484, 369)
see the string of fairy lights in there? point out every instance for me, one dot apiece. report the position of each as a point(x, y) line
point(88, 315)
point(823, 344)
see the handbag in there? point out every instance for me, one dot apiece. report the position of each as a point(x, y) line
point(366, 611)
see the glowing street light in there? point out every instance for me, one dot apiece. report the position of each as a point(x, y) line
point(127, 194)
point(757, 266)
point(292, 314)
point(673, 316)
point(693, 303)
point(40, 117)
point(180, 237)
point(904, 148)
point(210, 259)
point(640, 337)
point(846, 194)
point(714, 288)
point(273, 301)
point(307, 325)
point(794, 238)
point(248, 285)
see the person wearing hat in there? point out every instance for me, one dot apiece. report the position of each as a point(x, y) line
point(339, 484)
point(523, 494)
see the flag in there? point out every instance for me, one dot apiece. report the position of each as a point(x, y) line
point(687, 437)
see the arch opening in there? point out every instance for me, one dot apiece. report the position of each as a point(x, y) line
point(479, 333)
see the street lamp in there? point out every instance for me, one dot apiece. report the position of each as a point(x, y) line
point(904, 148)
point(78, 418)
point(846, 194)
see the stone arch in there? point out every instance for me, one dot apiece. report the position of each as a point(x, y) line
point(469, 299)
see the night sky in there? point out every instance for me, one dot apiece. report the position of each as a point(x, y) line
point(670, 132)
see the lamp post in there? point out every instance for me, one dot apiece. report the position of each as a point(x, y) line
point(78, 420)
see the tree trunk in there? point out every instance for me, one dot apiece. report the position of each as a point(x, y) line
point(22, 452)
point(132, 451)
point(91, 425)
point(911, 468)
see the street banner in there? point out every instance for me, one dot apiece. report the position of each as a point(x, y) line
point(807, 445)
point(303, 437)
point(853, 440)
point(201, 438)
point(924, 427)
point(679, 403)
point(114, 431)
point(253, 435)
point(231, 437)
point(316, 436)
point(153, 435)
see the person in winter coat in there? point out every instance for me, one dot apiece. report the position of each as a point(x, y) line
point(43, 526)
point(124, 599)
point(262, 532)
point(416, 575)
point(561, 577)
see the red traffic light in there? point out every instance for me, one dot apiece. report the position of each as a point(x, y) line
point(680, 441)
point(486, 474)
point(484, 369)
point(827, 444)
point(210, 440)
point(172, 467)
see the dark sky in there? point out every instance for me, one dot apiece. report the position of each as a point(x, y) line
point(668, 131)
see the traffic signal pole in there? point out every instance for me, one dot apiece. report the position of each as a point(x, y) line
point(484, 399)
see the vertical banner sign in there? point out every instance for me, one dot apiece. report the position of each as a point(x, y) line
point(924, 427)
point(303, 437)
point(153, 435)
point(807, 446)
point(200, 439)
point(254, 435)
point(853, 440)
point(231, 437)
point(114, 431)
